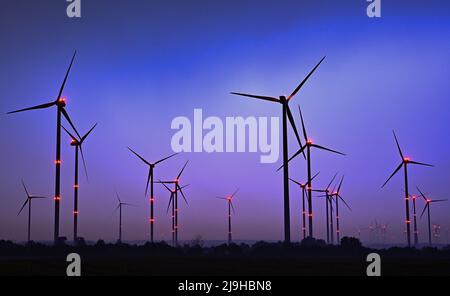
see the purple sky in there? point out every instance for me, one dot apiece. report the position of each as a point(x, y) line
point(142, 63)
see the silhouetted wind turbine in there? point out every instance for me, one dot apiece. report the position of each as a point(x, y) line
point(309, 144)
point(428, 202)
point(327, 203)
point(229, 200)
point(287, 115)
point(77, 143)
point(303, 188)
point(337, 196)
point(172, 203)
point(174, 200)
point(119, 207)
point(405, 162)
point(60, 104)
point(28, 201)
point(150, 181)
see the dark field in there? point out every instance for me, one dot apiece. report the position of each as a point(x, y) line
point(261, 259)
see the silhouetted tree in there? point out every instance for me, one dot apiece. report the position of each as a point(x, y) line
point(350, 243)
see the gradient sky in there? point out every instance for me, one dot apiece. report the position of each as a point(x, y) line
point(141, 63)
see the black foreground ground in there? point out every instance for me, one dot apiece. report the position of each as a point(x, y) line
point(261, 259)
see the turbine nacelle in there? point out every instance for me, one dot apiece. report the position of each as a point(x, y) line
point(74, 142)
point(61, 102)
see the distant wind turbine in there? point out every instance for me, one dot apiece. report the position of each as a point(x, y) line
point(28, 201)
point(405, 161)
point(174, 200)
point(77, 143)
point(229, 200)
point(328, 206)
point(151, 168)
point(337, 196)
point(428, 202)
point(119, 207)
point(303, 188)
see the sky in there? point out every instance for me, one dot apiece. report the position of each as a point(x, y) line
point(142, 63)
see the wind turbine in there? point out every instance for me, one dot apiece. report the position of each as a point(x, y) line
point(119, 207)
point(303, 188)
point(229, 200)
point(150, 181)
point(174, 201)
point(60, 104)
point(287, 115)
point(328, 205)
point(428, 202)
point(28, 201)
point(337, 196)
point(173, 192)
point(77, 143)
point(309, 144)
point(405, 162)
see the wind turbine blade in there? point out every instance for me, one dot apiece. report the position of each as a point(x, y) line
point(116, 208)
point(182, 170)
point(424, 208)
point(140, 157)
point(24, 187)
point(420, 163)
point(303, 123)
point(39, 197)
point(66, 116)
point(395, 172)
point(340, 184)
point(294, 127)
point(332, 180)
point(84, 163)
point(298, 183)
point(118, 197)
point(170, 201)
point(161, 160)
point(43, 106)
point(24, 204)
point(182, 187)
point(345, 203)
point(439, 200)
point(65, 78)
point(421, 194)
point(218, 197)
point(166, 186)
point(232, 206)
point(148, 180)
point(70, 135)
point(398, 145)
point(87, 134)
point(130, 205)
point(257, 97)
point(304, 80)
point(235, 193)
point(327, 149)
point(182, 194)
point(315, 176)
point(293, 156)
